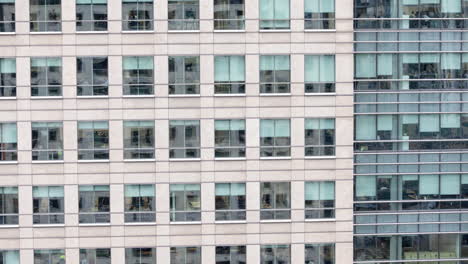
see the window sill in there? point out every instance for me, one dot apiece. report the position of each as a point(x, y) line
point(93, 161)
point(229, 31)
point(319, 157)
point(319, 30)
point(229, 95)
point(47, 161)
point(92, 96)
point(227, 222)
point(183, 95)
point(46, 225)
point(275, 158)
point(179, 160)
point(275, 94)
point(8, 33)
point(184, 31)
point(139, 160)
point(321, 220)
point(276, 221)
point(46, 33)
point(231, 159)
point(46, 97)
point(7, 97)
point(320, 94)
point(94, 224)
point(275, 30)
point(140, 224)
point(91, 32)
point(138, 96)
point(8, 162)
point(138, 31)
point(9, 226)
point(186, 223)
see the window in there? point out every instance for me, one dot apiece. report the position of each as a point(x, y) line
point(91, 73)
point(229, 74)
point(230, 201)
point(91, 15)
point(231, 255)
point(9, 256)
point(138, 75)
point(319, 74)
point(93, 140)
point(137, 14)
point(7, 77)
point(47, 141)
point(139, 203)
point(319, 200)
point(94, 204)
point(95, 256)
point(320, 253)
point(140, 256)
point(229, 15)
point(275, 139)
point(275, 200)
point(185, 203)
point(184, 75)
point(184, 139)
point(275, 254)
point(46, 76)
point(319, 14)
point(48, 205)
point(8, 206)
point(45, 15)
point(274, 14)
point(184, 15)
point(8, 142)
point(49, 256)
point(274, 74)
point(229, 138)
point(138, 139)
point(186, 255)
point(7, 9)
point(320, 137)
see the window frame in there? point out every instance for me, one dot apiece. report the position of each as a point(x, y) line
point(4, 257)
point(322, 87)
point(187, 148)
point(97, 25)
point(220, 23)
point(197, 253)
point(7, 79)
point(140, 214)
point(325, 150)
point(274, 253)
point(276, 150)
point(187, 214)
point(6, 217)
point(236, 259)
point(46, 90)
point(36, 25)
point(323, 20)
point(321, 248)
point(52, 217)
point(225, 205)
point(138, 24)
point(140, 251)
point(51, 254)
point(5, 149)
point(262, 21)
point(274, 213)
point(274, 87)
point(101, 211)
point(51, 153)
point(139, 152)
point(319, 208)
point(98, 153)
point(181, 85)
point(8, 25)
point(96, 88)
point(93, 254)
point(231, 86)
point(183, 24)
point(233, 151)
point(135, 79)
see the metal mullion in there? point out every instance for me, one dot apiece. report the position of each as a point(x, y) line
point(92, 66)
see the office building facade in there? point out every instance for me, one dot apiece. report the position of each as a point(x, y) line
point(176, 131)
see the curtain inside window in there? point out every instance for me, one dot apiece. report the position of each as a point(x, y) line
point(38, 62)
point(365, 66)
point(10, 190)
point(223, 189)
point(8, 133)
point(7, 65)
point(237, 68)
point(327, 123)
point(130, 63)
point(192, 187)
point(327, 6)
point(95, 1)
point(430, 1)
point(327, 68)
point(137, 124)
point(429, 58)
point(267, 128)
point(365, 186)
point(267, 63)
point(56, 191)
point(237, 125)
point(410, 2)
point(221, 68)
point(312, 123)
point(385, 64)
point(237, 189)
point(54, 62)
point(385, 122)
point(40, 191)
point(177, 187)
point(327, 191)
point(450, 61)
point(145, 63)
point(85, 125)
point(312, 191)
point(101, 125)
point(132, 190)
point(147, 190)
point(366, 127)
point(450, 121)
point(449, 184)
point(281, 63)
point(281, 12)
point(282, 128)
point(11, 257)
point(102, 188)
point(312, 6)
point(7, 1)
point(464, 179)
point(222, 125)
point(85, 188)
point(429, 123)
point(312, 68)
point(429, 184)
point(267, 11)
